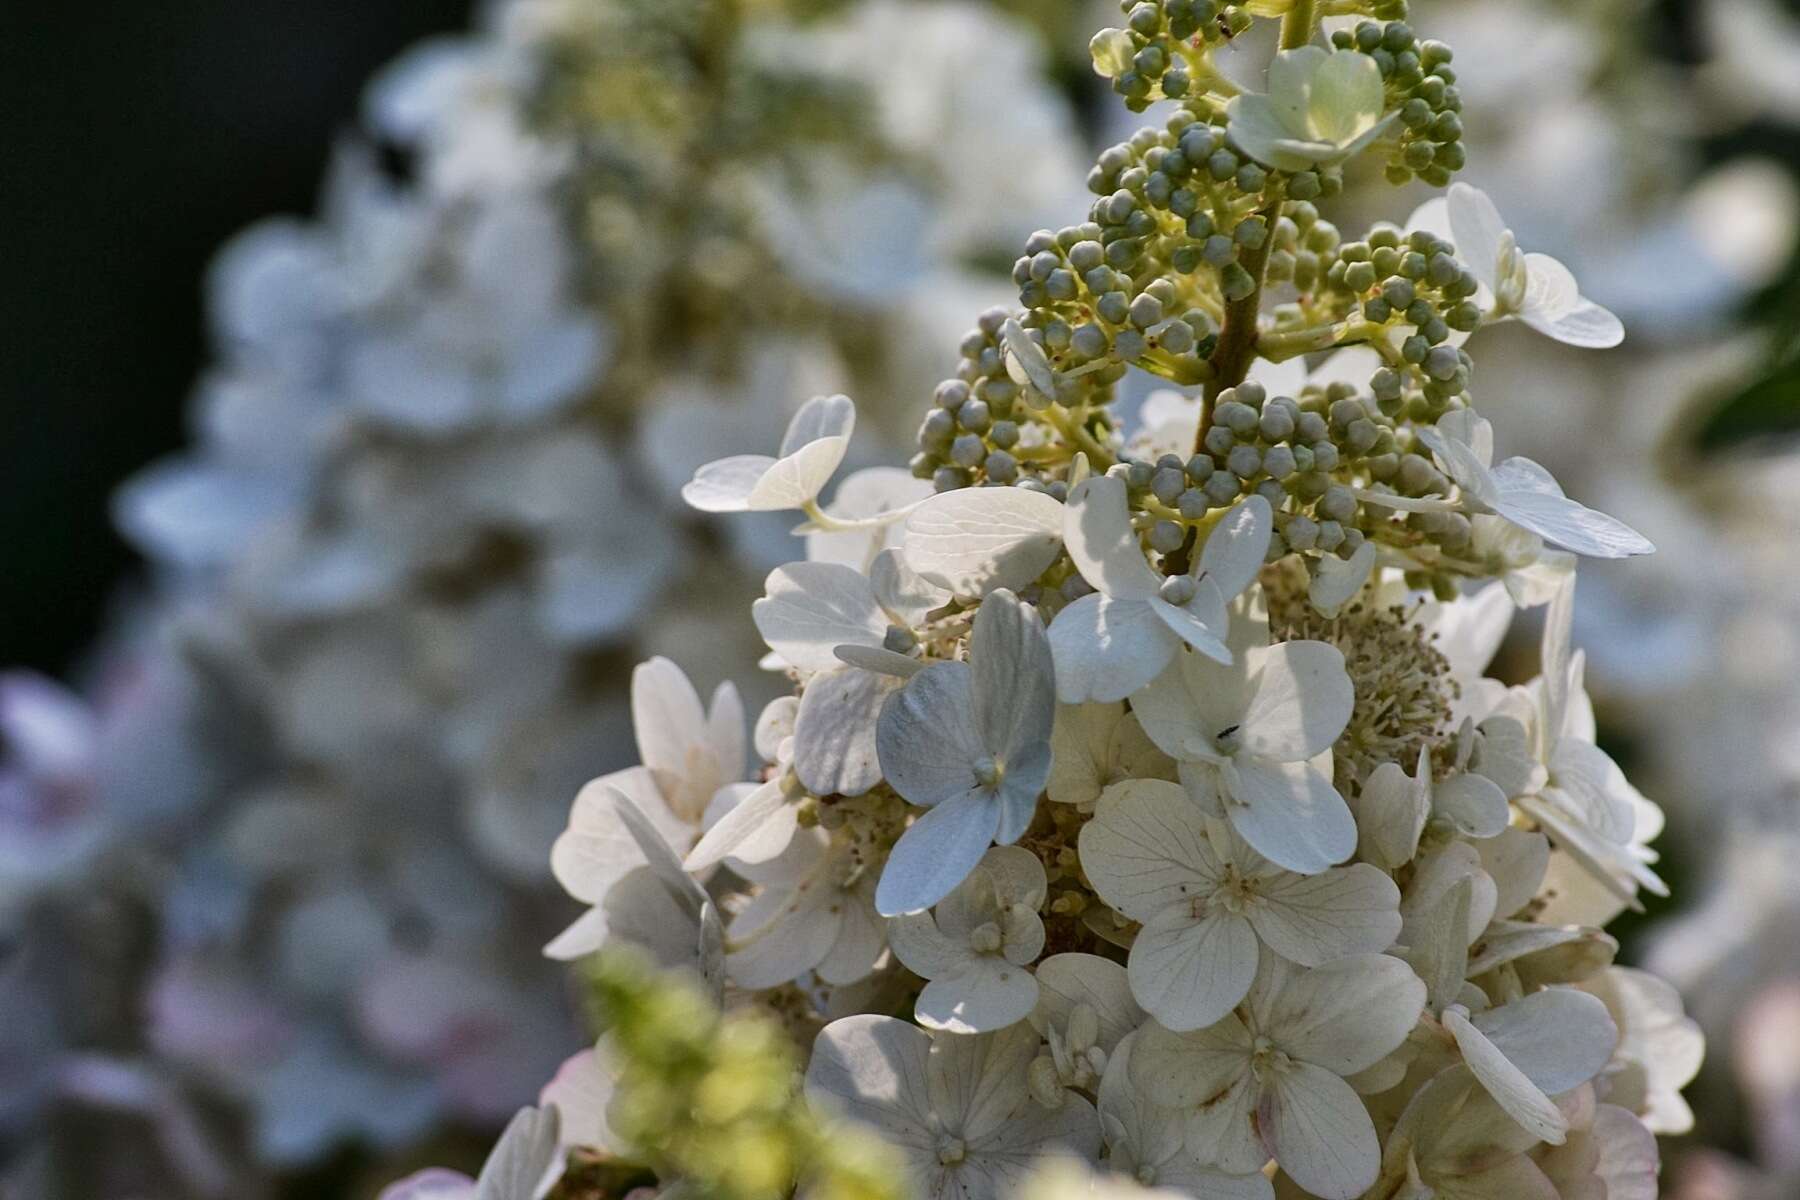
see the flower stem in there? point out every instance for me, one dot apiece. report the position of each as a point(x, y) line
point(1297, 25)
point(1236, 350)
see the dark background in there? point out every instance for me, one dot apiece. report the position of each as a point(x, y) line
point(139, 135)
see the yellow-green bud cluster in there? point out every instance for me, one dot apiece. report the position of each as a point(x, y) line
point(713, 1099)
point(1153, 57)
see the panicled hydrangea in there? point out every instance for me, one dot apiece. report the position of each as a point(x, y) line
point(434, 502)
point(1155, 773)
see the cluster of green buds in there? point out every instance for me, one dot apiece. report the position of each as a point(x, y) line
point(1204, 252)
point(713, 1098)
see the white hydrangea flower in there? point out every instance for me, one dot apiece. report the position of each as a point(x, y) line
point(975, 947)
point(689, 754)
point(1246, 737)
point(1533, 288)
point(1211, 906)
point(971, 742)
point(957, 1107)
point(1519, 490)
point(1110, 644)
point(1268, 1080)
point(1085, 1009)
point(1147, 1141)
point(814, 910)
point(1394, 808)
point(1577, 793)
point(1322, 107)
point(814, 445)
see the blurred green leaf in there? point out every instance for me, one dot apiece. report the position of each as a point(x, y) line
point(1767, 409)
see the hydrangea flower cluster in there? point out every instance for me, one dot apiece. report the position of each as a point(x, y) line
point(435, 487)
point(1142, 799)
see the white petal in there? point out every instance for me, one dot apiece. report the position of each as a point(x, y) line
point(668, 720)
point(1460, 463)
point(1188, 973)
point(1516, 861)
point(581, 1090)
point(1477, 229)
point(1066, 980)
point(1014, 690)
point(1558, 1038)
point(1529, 497)
point(872, 1069)
point(936, 853)
point(1147, 850)
point(905, 594)
point(725, 485)
point(1185, 708)
point(1555, 308)
point(975, 1084)
point(1301, 701)
point(1391, 813)
point(1290, 814)
point(1026, 361)
point(1320, 1133)
point(1346, 1015)
point(973, 540)
point(1106, 649)
point(1438, 946)
point(755, 829)
point(926, 736)
point(725, 730)
point(809, 608)
point(861, 939)
point(1523, 1101)
point(1312, 919)
point(1237, 546)
point(781, 936)
point(820, 417)
point(1093, 741)
point(986, 994)
point(794, 481)
point(1473, 805)
point(835, 732)
point(1106, 550)
point(522, 1159)
point(1339, 579)
point(1201, 622)
point(866, 493)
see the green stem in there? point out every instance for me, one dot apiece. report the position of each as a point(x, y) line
point(1073, 429)
point(1236, 350)
point(1297, 25)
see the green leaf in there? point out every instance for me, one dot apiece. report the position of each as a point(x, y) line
point(1766, 410)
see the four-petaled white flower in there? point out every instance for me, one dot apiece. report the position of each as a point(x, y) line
point(1534, 288)
point(1519, 490)
point(1113, 642)
point(1245, 738)
point(971, 742)
point(689, 753)
point(814, 911)
point(976, 947)
point(956, 1106)
point(815, 443)
point(1578, 795)
point(1147, 1141)
point(1322, 107)
point(1211, 905)
point(1268, 1080)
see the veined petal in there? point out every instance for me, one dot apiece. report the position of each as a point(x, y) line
point(820, 417)
point(1523, 1100)
point(726, 485)
point(1013, 690)
point(936, 853)
point(1105, 649)
point(1097, 531)
point(1313, 919)
point(926, 738)
point(835, 750)
point(973, 540)
point(1301, 700)
point(1289, 813)
point(1477, 229)
point(755, 829)
point(1319, 1132)
point(1558, 1038)
point(1147, 849)
point(1528, 496)
point(1201, 622)
point(1237, 546)
point(809, 608)
point(1346, 1015)
point(986, 993)
point(1188, 972)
